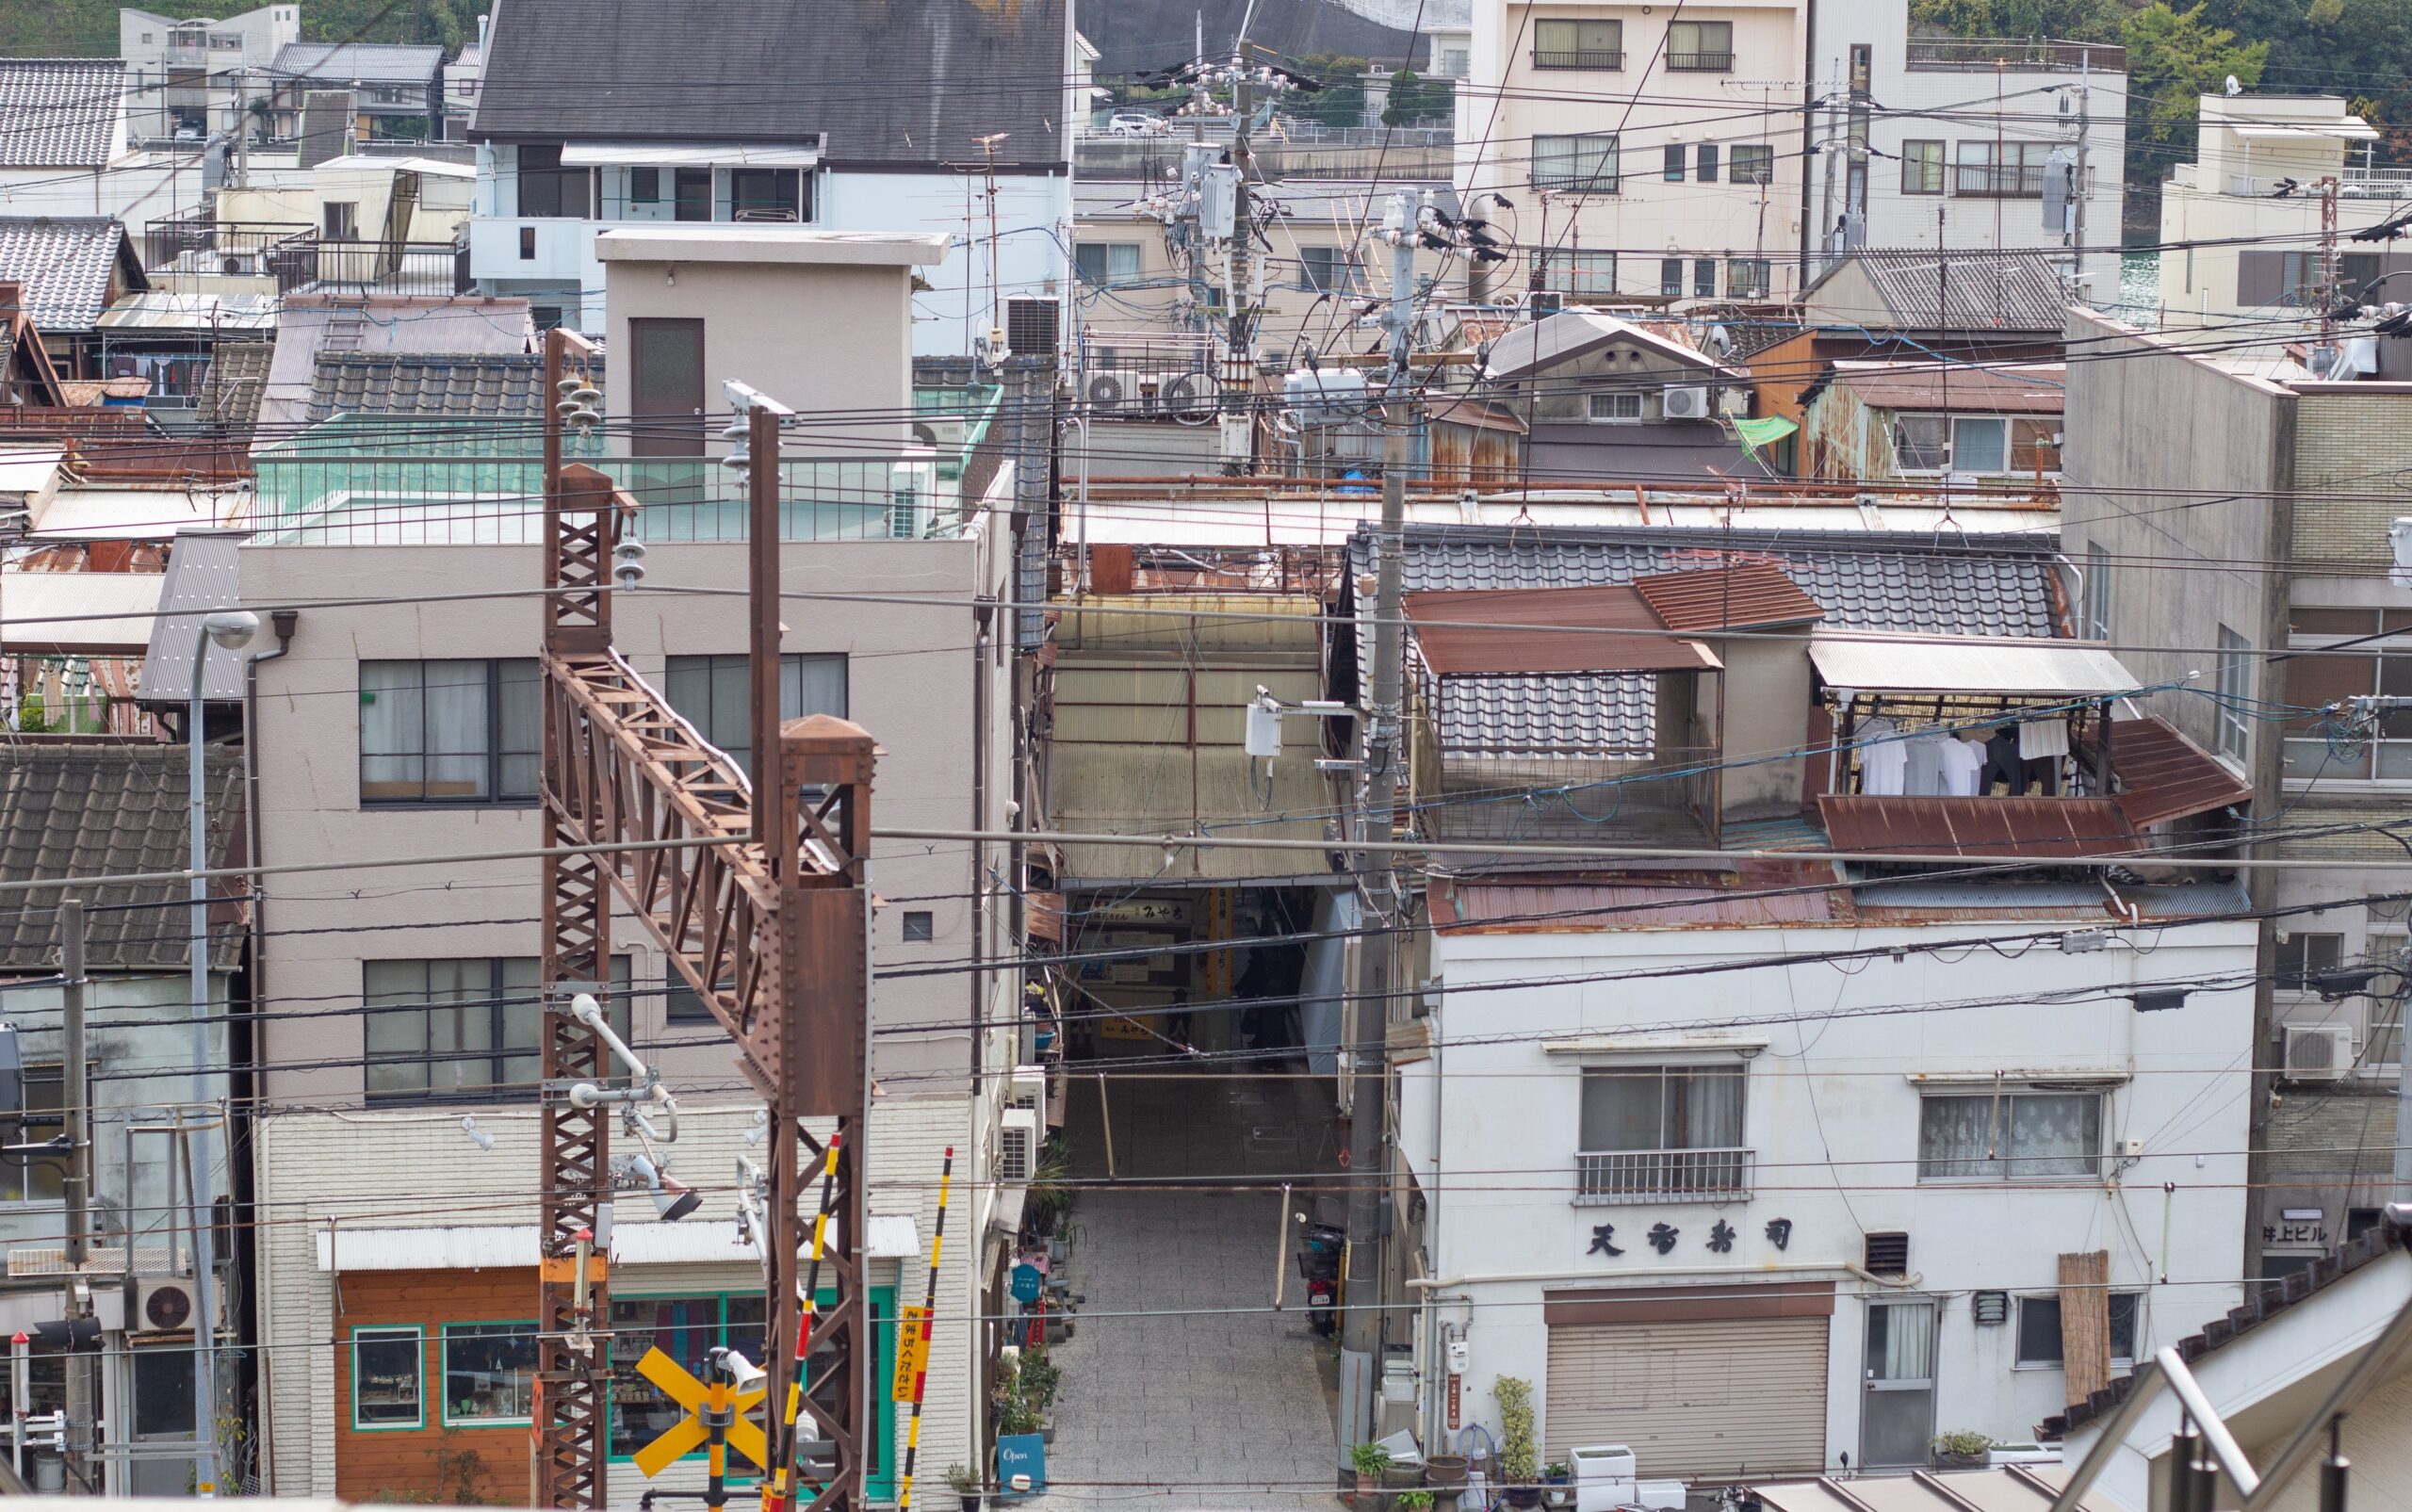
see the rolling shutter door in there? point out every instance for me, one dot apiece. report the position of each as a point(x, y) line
point(1712, 1399)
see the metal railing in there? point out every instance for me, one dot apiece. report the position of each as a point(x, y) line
point(1699, 62)
point(1604, 61)
point(314, 264)
point(1985, 181)
point(1606, 1177)
point(1982, 55)
point(2353, 183)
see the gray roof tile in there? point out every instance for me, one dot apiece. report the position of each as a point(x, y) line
point(73, 810)
point(879, 81)
point(66, 263)
point(337, 64)
point(59, 112)
point(482, 383)
point(229, 391)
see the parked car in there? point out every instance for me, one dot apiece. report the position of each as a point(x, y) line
point(1135, 123)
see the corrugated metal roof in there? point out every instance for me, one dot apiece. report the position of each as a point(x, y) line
point(2165, 775)
point(1558, 908)
point(203, 575)
point(165, 310)
point(2037, 389)
point(1978, 826)
point(342, 63)
point(59, 112)
point(1882, 663)
point(87, 810)
point(1728, 598)
point(1970, 290)
point(2007, 1489)
point(1535, 632)
point(66, 264)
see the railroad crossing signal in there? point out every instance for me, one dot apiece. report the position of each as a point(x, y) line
point(715, 1416)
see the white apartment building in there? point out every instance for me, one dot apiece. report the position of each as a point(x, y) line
point(2242, 222)
point(1927, 140)
point(1642, 151)
point(189, 79)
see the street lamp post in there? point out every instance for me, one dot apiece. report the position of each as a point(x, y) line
point(232, 630)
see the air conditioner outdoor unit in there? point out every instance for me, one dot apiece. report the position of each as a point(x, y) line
point(168, 1306)
point(1018, 1146)
point(1028, 1088)
point(2319, 1052)
point(1687, 404)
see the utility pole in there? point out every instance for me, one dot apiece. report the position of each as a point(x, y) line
point(76, 1185)
point(2077, 190)
point(1361, 1315)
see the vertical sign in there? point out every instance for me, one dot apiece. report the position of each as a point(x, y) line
point(912, 1351)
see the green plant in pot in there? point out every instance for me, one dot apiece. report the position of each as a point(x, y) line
point(1961, 1449)
point(965, 1484)
point(1519, 1465)
point(1416, 1499)
point(1557, 1484)
point(1369, 1461)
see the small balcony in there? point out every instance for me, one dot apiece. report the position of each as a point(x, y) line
point(2018, 55)
point(1984, 181)
point(1593, 60)
point(1699, 62)
point(1608, 1178)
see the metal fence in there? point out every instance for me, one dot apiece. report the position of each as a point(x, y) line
point(2025, 55)
point(1605, 1176)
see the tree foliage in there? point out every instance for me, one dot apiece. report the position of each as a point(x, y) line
point(1342, 100)
point(1416, 101)
point(88, 29)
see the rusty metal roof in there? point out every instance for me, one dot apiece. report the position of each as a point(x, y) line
point(2028, 389)
point(1451, 635)
point(1727, 598)
point(2071, 827)
point(1556, 907)
point(2166, 775)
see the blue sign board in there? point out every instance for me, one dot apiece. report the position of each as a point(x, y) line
point(1027, 1283)
point(1022, 1454)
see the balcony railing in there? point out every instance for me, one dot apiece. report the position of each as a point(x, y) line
point(1699, 62)
point(2021, 55)
point(316, 264)
point(1980, 181)
point(1606, 1177)
point(1606, 61)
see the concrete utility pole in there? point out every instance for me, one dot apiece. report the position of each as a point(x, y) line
point(2077, 190)
point(76, 1185)
point(1362, 1317)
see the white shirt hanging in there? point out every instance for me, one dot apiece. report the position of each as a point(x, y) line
point(1882, 758)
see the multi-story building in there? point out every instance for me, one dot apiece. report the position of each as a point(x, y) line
point(2243, 221)
point(70, 150)
point(1639, 151)
point(2227, 527)
point(397, 89)
point(400, 1297)
point(964, 133)
point(190, 79)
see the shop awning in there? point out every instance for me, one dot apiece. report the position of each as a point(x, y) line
point(689, 155)
point(1927, 664)
point(1543, 630)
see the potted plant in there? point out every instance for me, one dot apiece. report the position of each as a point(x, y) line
point(966, 1484)
point(1962, 1449)
point(1369, 1460)
point(1518, 1467)
point(1416, 1499)
point(1557, 1484)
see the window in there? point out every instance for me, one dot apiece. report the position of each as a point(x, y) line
point(1705, 278)
point(2383, 1010)
point(1673, 171)
point(1103, 263)
point(2002, 171)
point(1980, 444)
point(341, 218)
point(2303, 956)
point(2234, 686)
point(1746, 278)
point(1657, 1130)
point(546, 188)
point(2097, 592)
point(715, 695)
point(1921, 442)
point(387, 1363)
point(2035, 445)
point(2010, 1136)
point(527, 244)
point(1753, 163)
point(1671, 277)
point(2357, 272)
point(691, 193)
point(30, 1177)
point(2300, 279)
point(1573, 271)
point(489, 1373)
point(920, 926)
point(1700, 46)
point(1617, 409)
point(1586, 164)
point(644, 186)
point(449, 732)
point(1327, 270)
point(765, 194)
point(1454, 62)
point(2039, 1328)
point(1921, 167)
point(1593, 44)
point(1706, 160)
point(460, 1027)
point(2316, 748)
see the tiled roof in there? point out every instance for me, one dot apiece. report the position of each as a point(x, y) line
point(59, 112)
point(2267, 1302)
point(468, 384)
point(879, 81)
point(1977, 291)
point(229, 391)
point(2002, 587)
point(1590, 713)
point(65, 261)
point(339, 63)
point(74, 810)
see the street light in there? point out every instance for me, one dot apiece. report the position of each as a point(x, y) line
point(229, 630)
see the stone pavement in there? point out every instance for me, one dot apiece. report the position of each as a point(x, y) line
point(1168, 1399)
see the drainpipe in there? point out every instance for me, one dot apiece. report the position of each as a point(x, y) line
point(282, 621)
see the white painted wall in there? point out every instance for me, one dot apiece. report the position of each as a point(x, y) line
point(136, 188)
point(1495, 1147)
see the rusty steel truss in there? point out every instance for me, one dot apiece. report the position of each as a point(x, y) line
point(759, 900)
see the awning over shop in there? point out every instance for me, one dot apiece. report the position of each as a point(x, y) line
point(688, 154)
point(1928, 664)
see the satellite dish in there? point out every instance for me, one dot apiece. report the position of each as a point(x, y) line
point(2234, 87)
point(1720, 340)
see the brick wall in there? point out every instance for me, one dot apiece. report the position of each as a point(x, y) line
point(2353, 458)
point(429, 1463)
